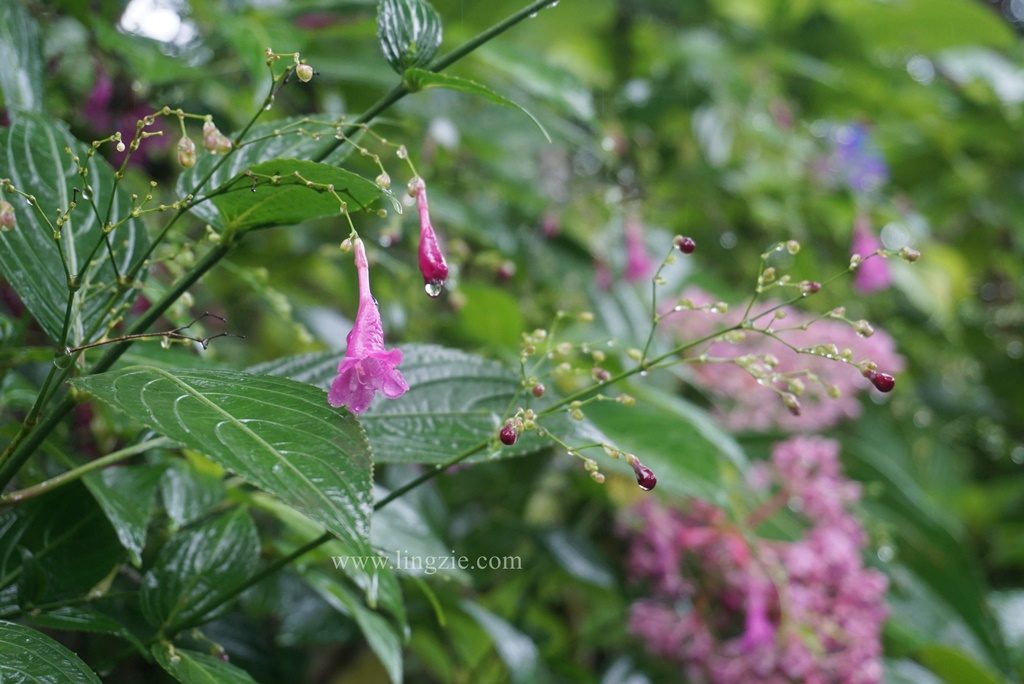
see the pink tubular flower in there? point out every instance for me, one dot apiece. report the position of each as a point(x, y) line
point(432, 264)
point(638, 263)
point(873, 275)
point(367, 367)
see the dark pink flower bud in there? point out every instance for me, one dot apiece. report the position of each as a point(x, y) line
point(644, 476)
point(883, 382)
point(686, 245)
point(432, 264)
point(508, 434)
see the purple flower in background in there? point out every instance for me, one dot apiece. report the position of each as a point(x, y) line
point(638, 262)
point(730, 608)
point(855, 161)
point(872, 275)
point(367, 367)
point(105, 113)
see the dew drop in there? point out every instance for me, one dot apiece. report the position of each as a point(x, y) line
point(533, 15)
point(276, 470)
point(433, 288)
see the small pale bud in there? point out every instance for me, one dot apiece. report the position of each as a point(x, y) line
point(793, 247)
point(863, 328)
point(8, 220)
point(304, 72)
point(909, 255)
point(186, 152)
point(791, 403)
point(383, 181)
point(213, 140)
point(597, 477)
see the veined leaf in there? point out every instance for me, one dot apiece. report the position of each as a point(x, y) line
point(21, 79)
point(409, 32)
point(197, 567)
point(126, 496)
point(28, 656)
point(277, 434)
point(288, 200)
point(32, 155)
point(418, 79)
point(189, 667)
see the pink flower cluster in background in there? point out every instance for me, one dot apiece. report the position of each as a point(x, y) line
point(730, 608)
point(744, 404)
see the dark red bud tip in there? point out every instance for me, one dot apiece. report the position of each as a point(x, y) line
point(538, 390)
point(686, 245)
point(644, 476)
point(883, 382)
point(508, 435)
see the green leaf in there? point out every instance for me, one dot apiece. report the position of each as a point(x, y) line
point(126, 496)
point(81, 619)
point(455, 401)
point(28, 656)
point(32, 155)
point(520, 655)
point(578, 557)
point(655, 430)
point(189, 667)
point(198, 567)
point(289, 201)
point(21, 79)
point(277, 434)
point(292, 138)
point(189, 492)
point(380, 634)
point(954, 666)
point(72, 545)
point(409, 32)
point(418, 79)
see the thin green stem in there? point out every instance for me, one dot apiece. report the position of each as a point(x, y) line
point(77, 473)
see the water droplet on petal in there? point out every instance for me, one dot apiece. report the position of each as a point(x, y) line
point(433, 288)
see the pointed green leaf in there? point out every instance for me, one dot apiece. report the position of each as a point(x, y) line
point(409, 32)
point(32, 155)
point(380, 634)
point(21, 78)
point(277, 434)
point(126, 496)
point(188, 493)
point(288, 200)
point(520, 655)
point(189, 667)
point(418, 79)
point(28, 656)
point(196, 568)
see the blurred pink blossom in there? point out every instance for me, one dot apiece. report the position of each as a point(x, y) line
point(730, 608)
point(872, 275)
point(638, 262)
point(746, 405)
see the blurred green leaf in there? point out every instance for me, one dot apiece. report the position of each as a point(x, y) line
point(955, 667)
point(21, 79)
point(28, 656)
point(32, 155)
point(190, 667)
point(198, 567)
point(520, 655)
point(419, 79)
point(380, 634)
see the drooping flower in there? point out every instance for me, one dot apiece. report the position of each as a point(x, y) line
point(432, 264)
point(186, 152)
point(638, 262)
point(873, 274)
point(367, 367)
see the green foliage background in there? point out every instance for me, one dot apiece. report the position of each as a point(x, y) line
point(711, 113)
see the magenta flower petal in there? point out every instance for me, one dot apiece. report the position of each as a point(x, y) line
point(872, 275)
point(367, 367)
point(638, 262)
point(432, 264)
